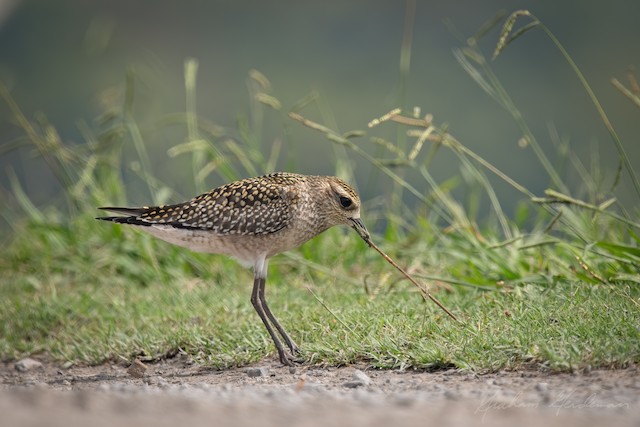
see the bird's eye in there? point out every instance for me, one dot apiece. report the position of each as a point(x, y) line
point(345, 202)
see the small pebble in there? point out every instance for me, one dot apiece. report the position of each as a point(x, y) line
point(358, 379)
point(27, 364)
point(358, 375)
point(137, 369)
point(353, 384)
point(257, 372)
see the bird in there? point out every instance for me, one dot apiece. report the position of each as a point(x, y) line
point(251, 220)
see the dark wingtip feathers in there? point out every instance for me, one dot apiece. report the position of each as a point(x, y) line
point(124, 220)
point(131, 217)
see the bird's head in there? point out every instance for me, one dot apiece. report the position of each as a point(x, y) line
point(344, 207)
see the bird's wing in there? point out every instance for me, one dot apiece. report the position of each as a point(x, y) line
point(251, 206)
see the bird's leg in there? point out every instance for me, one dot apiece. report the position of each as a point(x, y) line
point(287, 339)
point(257, 304)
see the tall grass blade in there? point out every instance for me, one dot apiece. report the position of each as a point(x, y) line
point(25, 202)
point(594, 100)
point(193, 134)
point(505, 35)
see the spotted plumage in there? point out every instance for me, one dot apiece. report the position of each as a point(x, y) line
point(252, 220)
point(253, 206)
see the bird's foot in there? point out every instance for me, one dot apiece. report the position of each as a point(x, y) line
point(295, 350)
point(290, 359)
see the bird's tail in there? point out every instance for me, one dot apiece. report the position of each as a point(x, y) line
point(131, 215)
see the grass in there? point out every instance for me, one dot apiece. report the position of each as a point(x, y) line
point(556, 286)
point(156, 302)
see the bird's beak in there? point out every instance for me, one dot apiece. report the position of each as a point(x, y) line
point(358, 225)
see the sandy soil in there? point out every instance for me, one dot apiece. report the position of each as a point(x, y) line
point(177, 392)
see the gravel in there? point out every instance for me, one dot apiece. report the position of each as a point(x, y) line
point(177, 393)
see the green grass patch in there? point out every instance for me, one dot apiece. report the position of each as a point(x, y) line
point(104, 293)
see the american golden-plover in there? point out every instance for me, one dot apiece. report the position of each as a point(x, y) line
point(252, 220)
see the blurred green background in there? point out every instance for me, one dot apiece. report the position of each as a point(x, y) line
point(68, 60)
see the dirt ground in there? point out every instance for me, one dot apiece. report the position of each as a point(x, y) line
point(177, 392)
